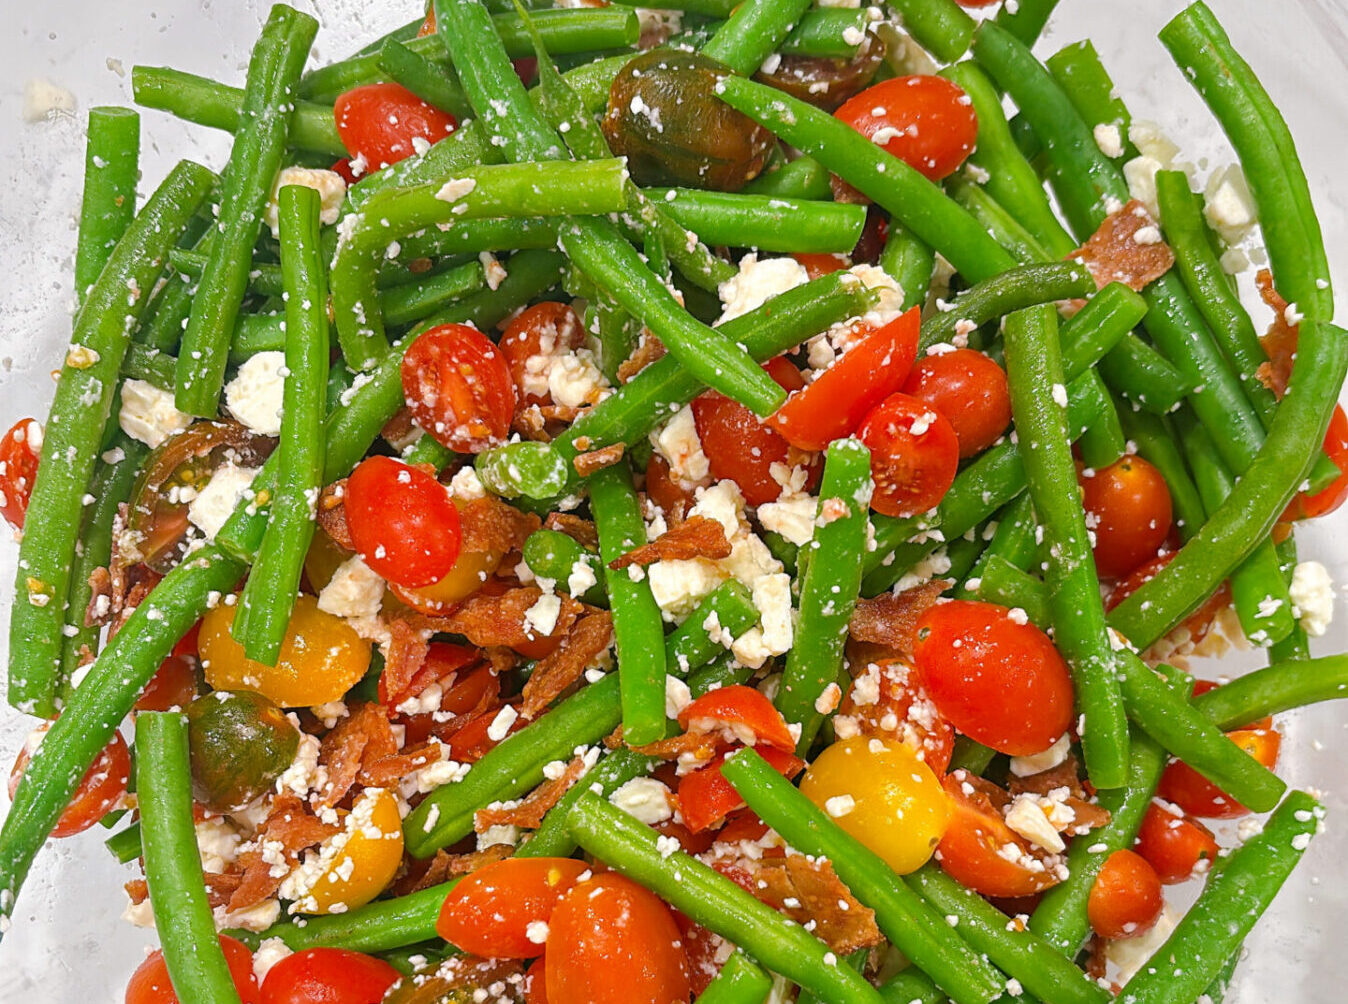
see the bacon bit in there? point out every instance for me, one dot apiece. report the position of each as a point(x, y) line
point(363, 737)
point(490, 525)
point(890, 620)
point(648, 350)
point(221, 887)
point(332, 515)
point(408, 647)
point(1280, 342)
point(562, 667)
point(670, 494)
point(530, 424)
point(580, 530)
point(499, 620)
point(100, 598)
point(596, 460)
point(529, 813)
point(700, 745)
point(134, 596)
point(1065, 775)
point(502, 660)
point(1113, 253)
point(400, 431)
point(137, 890)
point(446, 865)
point(293, 827)
point(1097, 962)
point(388, 771)
point(695, 537)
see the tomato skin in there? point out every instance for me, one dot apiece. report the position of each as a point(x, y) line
point(976, 833)
point(545, 329)
point(1132, 514)
point(458, 385)
point(150, 983)
point(489, 912)
point(997, 680)
point(1126, 899)
point(536, 982)
point(328, 976)
point(706, 797)
point(18, 468)
point(1328, 499)
point(915, 455)
point(403, 522)
point(741, 708)
point(900, 699)
point(379, 122)
point(610, 941)
point(102, 787)
point(970, 390)
point(818, 264)
point(1198, 796)
point(930, 122)
point(1174, 844)
point(1198, 623)
point(174, 685)
point(471, 743)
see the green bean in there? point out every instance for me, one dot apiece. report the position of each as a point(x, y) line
point(1274, 689)
point(939, 26)
point(1103, 442)
point(150, 365)
point(124, 845)
point(111, 170)
point(1027, 20)
point(1100, 325)
point(377, 927)
point(254, 333)
point(1034, 363)
point(715, 902)
point(1003, 583)
point(723, 672)
point(769, 223)
point(525, 468)
point(1012, 543)
point(911, 986)
point(269, 595)
point(551, 554)
point(1004, 294)
point(738, 982)
point(467, 146)
point(162, 326)
point(909, 262)
point(1297, 644)
point(829, 588)
point(617, 330)
point(690, 645)
point(529, 274)
point(553, 839)
point(415, 300)
point(434, 83)
point(74, 431)
point(753, 32)
point(426, 450)
point(1079, 72)
point(1005, 229)
point(196, 963)
point(823, 33)
point(259, 144)
point(802, 178)
point(964, 551)
point(1230, 903)
point(1144, 376)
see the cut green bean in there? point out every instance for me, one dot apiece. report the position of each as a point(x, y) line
point(753, 32)
point(432, 82)
point(1003, 583)
point(939, 26)
point(1012, 543)
point(1094, 331)
point(1144, 376)
point(551, 554)
point(825, 33)
point(377, 927)
point(525, 468)
point(1004, 228)
point(802, 178)
point(1103, 441)
point(738, 982)
point(911, 986)
point(690, 645)
point(111, 170)
point(1297, 644)
point(1274, 689)
point(1003, 294)
point(769, 223)
point(1079, 72)
point(1027, 19)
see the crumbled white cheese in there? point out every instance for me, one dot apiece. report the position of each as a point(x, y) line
point(139, 914)
point(304, 775)
point(793, 518)
point(502, 833)
point(1140, 173)
point(541, 618)
point(1028, 818)
point(255, 394)
point(1312, 592)
point(1131, 954)
point(466, 485)
point(1108, 139)
point(216, 502)
point(1152, 142)
point(148, 414)
point(574, 379)
point(500, 725)
point(644, 798)
point(330, 186)
point(1037, 763)
point(355, 590)
point(758, 281)
point(1228, 205)
point(678, 443)
point(218, 844)
point(270, 952)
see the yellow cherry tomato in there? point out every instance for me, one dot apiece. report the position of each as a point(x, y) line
point(321, 657)
point(466, 577)
point(353, 867)
point(882, 794)
point(322, 560)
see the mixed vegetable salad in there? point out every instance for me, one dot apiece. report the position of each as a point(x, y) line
point(611, 505)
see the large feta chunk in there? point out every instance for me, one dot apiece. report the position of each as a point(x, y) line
point(793, 518)
point(644, 798)
point(148, 414)
point(1228, 205)
point(256, 393)
point(758, 281)
point(1131, 954)
point(330, 186)
point(1312, 592)
point(678, 443)
point(216, 502)
point(354, 591)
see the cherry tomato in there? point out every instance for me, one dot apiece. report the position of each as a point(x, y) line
point(446, 664)
point(471, 571)
point(403, 522)
point(494, 911)
point(472, 742)
point(1203, 686)
point(361, 860)
point(150, 982)
point(668, 492)
point(536, 982)
point(997, 678)
point(925, 121)
point(328, 976)
point(610, 941)
point(103, 786)
point(173, 685)
point(382, 122)
point(706, 797)
point(18, 468)
point(1128, 507)
point(1198, 796)
point(1126, 899)
point(970, 390)
point(835, 403)
point(914, 455)
point(1327, 499)
point(1174, 844)
point(821, 264)
point(543, 330)
point(1198, 623)
point(744, 711)
point(897, 707)
point(459, 388)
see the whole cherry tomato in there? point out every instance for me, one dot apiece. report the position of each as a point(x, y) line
point(1126, 899)
point(328, 976)
point(382, 123)
point(103, 785)
point(914, 455)
point(925, 121)
point(403, 522)
point(1198, 796)
point(1128, 507)
point(1173, 844)
point(18, 468)
point(970, 390)
point(458, 385)
point(502, 910)
point(150, 982)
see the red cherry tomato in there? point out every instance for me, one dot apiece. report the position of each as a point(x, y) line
point(706, 797)
point(1198, 796)
point(536, 982)
point(1198, 623)
point(150, 982)
point(545, 329)
point(472, 742)
point(328, 976)
point(1327, 499)
point(835, 403)
point(925, 121)
point(18, 468)
point(610, 941)
point(744, 710)
point(742, 448)
point(382, 122)
point(1174, 844)
point(970, 390)
point(403, 522)
point(900, 710)
point(446, 664)
point(493, 911)
point(914, 455)
point(668, 492)
point(1128, 507)
point(821, 264)
point(458, 385)
point(997, 679)
point(104, 784)
point(1126, 899)
point(173, 685)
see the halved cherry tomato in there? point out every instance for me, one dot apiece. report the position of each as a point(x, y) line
point(446, 664)
point(382, 123)
point(18, 468)
point(1126, 899)
point(976, 849)
point(925, 121)
point(610, 941)
point(478, 687)
point(1128, 506)
point(539, 332)
point(742, 448)
point(403, 522)
point(970, 390)
point(817, 265)
point(742, 824)
point(667, 491)
point(471, 570)
point(706, 797)
point(1328, 499)
point(187, 644)
point(502, 910)
point(536, 982)
point(745, 711)
point(472, 742)
point(701, 947)
point(103, 785)
point(997, 678)
point(1198, 796)
point(914, 455)
point(328, 976)
point(150, 982)
point(899, 708)
point(173, 685)
point(1174, 844)
point(840, 397)
point(459, 388)
point(1198, 623)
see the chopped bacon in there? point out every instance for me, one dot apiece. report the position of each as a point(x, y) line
point(580, 530)
point(387, 771)
point(133, 598)
point(648, 350)
point(499, 620)
point(408, 646)
point(596, 460)
point(291, 828)
point(100, 598)
point(529, 813)
point(1280, 342)
point(137, 890)
point(221, 887)
point(1114, 253)
point(332, 515)
point(490, 525)
point(400, 431)
point(446, 865)
point(699, 745)
point(364, 736)
point(1065, 775)
point(562, 667)
point(695, 537)
point(890, 620)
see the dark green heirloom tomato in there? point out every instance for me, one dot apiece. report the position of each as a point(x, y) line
point(240, 744)
point(664, 117)
point(822, 82)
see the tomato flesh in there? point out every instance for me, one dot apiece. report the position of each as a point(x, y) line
point(926, 121)
point(103, 785)
point(403, 522)
point(1128, 506)
point(706, 797)
point(150, 982)
point(543, 330)
point(970, 390)
point(18, 469)
point(1126, 899)
point(1198, 796)
point(1327, 499)
point(914, 455)
point(899, 709)
point(745, 711)
point(328, 976)
point(458, 386)
point(1173, 844)
point(174, 685)
point(381, 123)
point(1198, 623)
point(973, 850)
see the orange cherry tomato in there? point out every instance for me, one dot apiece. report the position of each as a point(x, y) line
point(1198, 623)
point(1174, 844)
point(822, 264)
point(403, 522)
point(382, 122)
point(998, 679)
point(914, 455)
point(18, 468)
point(174, 685)
point(1126, 899)
point(706, 797)
point(328, 976)
point(610, 941)
point(970, 390)
point(1128, 507)
point(899, 708)
point(543, 330)
point(458, 385)
point(536, 982)
point(745, 711)
point(925, 121)
point(1198, 796)
point(502, 909)
point(103, 785)
point(150, 982)
point(1327, 500)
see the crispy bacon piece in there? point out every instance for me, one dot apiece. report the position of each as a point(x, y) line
point(488, 524)
point(1115, 254)
point(137, 891)
point(596, 460)
point(385, 772)
point(408, 646)
point(695, 537)
point(289, 825)
point(400, 431)
point(446, 865)
point(1280, 341)
point(890, 620)
point(701, 745)
point(499, 620)
point(1065, 775)
point(648, 350)
point(563, 666)
point(221, 887)
point(364, 736)
point(100, 597)
point(580, 530)
point(332, 515)
point(529, 813)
